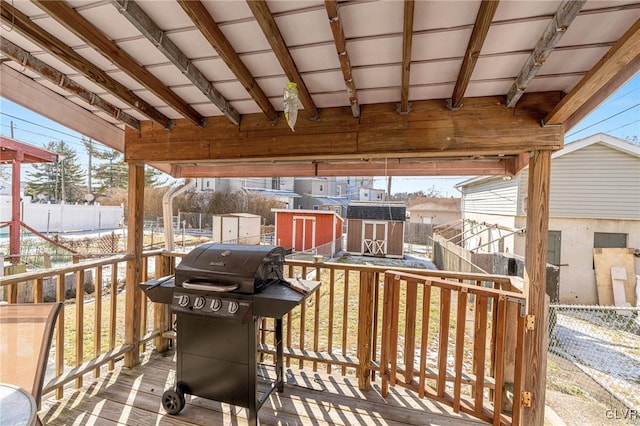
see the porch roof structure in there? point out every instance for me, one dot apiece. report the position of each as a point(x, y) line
point(385, 88)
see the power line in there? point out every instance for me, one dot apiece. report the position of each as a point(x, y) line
point(628, 124)
point(40, 125)
point(603, 120)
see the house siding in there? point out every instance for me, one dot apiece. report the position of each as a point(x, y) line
point(608, 184)
point(496, 196)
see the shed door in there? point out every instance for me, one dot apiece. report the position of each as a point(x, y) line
point(374, 241)
point(304, 233)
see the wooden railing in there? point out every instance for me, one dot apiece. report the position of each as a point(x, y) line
point(338, 329)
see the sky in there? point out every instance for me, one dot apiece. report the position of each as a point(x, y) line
point(618, 116)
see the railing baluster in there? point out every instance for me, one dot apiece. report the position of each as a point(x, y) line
point(60, 297)
point(97, 321)
point(38, 294)
point(443, 344)
point(79, 322)
point(345, 317)
point(303, 315)
point(113, 310)
point(332, 280)
point(374, 344)
point(479, 351)
point(393, 341)
point(518, 378)
point(461, 322)
point(410, 329)
point(316, 319)
point(499, 351)
point(424, 338)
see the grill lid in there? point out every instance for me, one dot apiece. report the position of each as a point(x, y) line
point(229, 267)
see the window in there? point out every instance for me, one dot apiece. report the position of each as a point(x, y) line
point(609, 240)
point(320, 188)
point(316, 207)
point(553, 248)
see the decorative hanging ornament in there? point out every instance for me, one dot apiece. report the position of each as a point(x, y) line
point(291, 104)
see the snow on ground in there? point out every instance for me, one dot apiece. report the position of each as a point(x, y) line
point(608, 351)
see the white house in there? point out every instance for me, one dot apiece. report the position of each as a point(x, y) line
point(594, 202)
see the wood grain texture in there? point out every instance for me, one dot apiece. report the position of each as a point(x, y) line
point(407, 43)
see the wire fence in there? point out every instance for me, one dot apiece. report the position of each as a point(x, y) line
point(604, 343)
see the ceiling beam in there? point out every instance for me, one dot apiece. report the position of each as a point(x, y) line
point(24, 91)
point(84, 30)
point(216, 38)
point(24, 26)
point(396, 167)
point(557, 27)
point(270, 29)
point(51, 74)
point(134, 14)
point(478, 35)
point(343, 55)
point(407, 42)
point(430, 131)
point(602, 80)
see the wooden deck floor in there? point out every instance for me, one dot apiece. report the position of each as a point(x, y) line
point(132, 397)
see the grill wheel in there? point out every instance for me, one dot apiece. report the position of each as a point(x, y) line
point(173, 400)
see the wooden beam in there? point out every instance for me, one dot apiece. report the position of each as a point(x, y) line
point(216, 38)
point(11, 149)
point(133, 299)
point(430, 131)
point(270, 29)
point(478, 35)
point(534, 285)
point(134, 14)
point(558, 26)
point(407, 42)
point(601, 95)
point(87, 32)
point(343, 54)
point(25, 27)
point(29, 61)
point(601, 77)
point(24, 91)
point(393, 167)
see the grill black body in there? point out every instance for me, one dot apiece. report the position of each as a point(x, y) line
point(219, 293)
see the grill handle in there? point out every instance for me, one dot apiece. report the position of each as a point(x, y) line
point(209, 287)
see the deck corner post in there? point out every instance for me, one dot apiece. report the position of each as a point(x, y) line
point(365, 329)
point(536, 341)
point(133, 298)
point(162, 311)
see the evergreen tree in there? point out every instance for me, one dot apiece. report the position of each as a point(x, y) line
point(61, 181)
point(153, 177)
point(111, 173)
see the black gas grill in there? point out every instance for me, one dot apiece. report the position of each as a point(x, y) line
point(219, 293)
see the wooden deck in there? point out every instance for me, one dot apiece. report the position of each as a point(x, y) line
point(132, 397)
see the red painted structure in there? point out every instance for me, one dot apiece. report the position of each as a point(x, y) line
point(316, 231)
point(15, 153)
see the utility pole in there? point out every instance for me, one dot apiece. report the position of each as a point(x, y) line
point(62, 192)
point(89, 174)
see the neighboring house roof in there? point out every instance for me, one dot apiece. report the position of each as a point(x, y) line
point(432, 203)
point(273, 192)
point(377, 211)
point(332, 201)
point(599, 138)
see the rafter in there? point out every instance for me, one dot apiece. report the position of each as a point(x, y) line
point(24, 26)
point(621, 58)
point(343, 55)
point(83, 29)
point(210, 30)
point(268, 25)
point(407, 42)
point(550, 37)
point(478, 35)
point(130, 10)
point(29, 61)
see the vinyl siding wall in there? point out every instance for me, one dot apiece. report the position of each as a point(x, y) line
point(495, 196)
point(596, 182)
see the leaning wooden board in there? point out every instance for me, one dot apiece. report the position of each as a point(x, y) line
point(604, 259)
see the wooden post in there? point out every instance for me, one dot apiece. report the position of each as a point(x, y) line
point(535, 374)
point(162, 311)
point(133, 297)
point(365, 325)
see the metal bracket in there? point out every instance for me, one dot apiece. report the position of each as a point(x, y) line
point(520, 301)
point(531, 322)
point(526, 399)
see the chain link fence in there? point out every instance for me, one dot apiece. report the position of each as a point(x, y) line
point(603, 343)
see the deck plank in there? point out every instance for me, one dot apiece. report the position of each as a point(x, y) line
point(132, 397)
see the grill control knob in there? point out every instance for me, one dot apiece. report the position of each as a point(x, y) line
point(199, 303)
point(233, 307)
point(216, 304)
point(183, 300)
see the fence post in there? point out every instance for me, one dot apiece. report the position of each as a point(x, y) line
point(365, 326)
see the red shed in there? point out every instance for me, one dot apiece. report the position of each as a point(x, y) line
point(314, 231)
